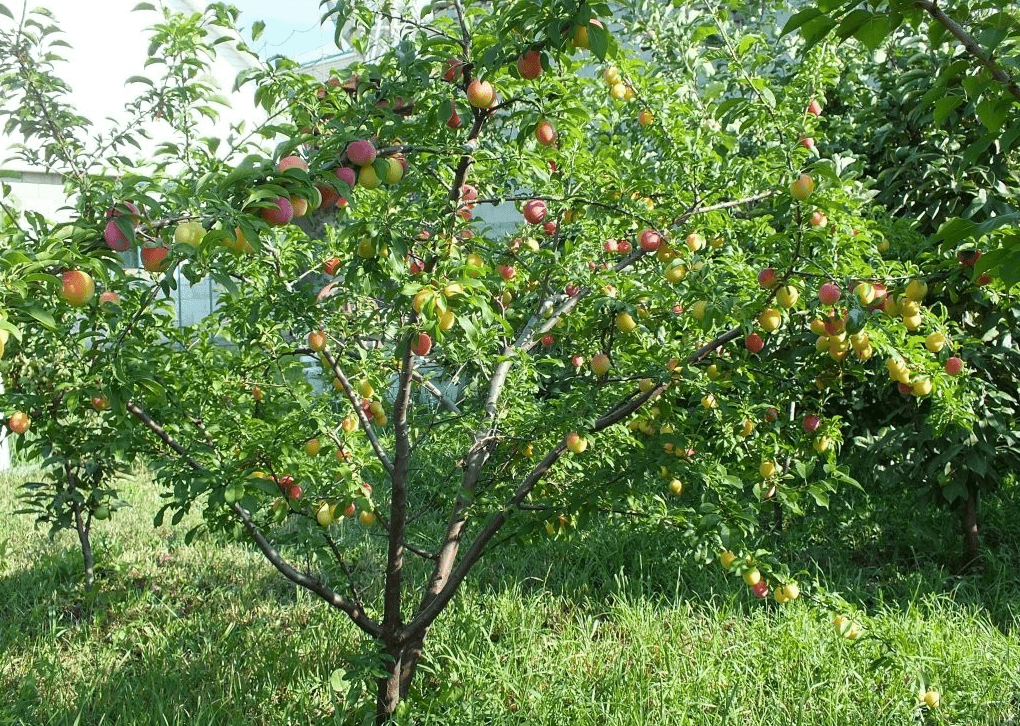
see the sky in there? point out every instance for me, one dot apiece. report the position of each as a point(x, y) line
point(292, 27)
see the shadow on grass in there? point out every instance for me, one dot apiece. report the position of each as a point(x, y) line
point(236, 645)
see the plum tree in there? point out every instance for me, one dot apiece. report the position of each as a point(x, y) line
point(453, 348)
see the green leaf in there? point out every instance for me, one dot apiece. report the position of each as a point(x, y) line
point(852, 21)
point(42, 316)
point(257, 28)
point(598, 41)
point(874, 31)
point(5, 11)
point(992, 113)
point(814, 31)
point(945, 106)
point(796, 21)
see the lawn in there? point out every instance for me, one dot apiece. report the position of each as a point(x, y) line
point(618, 628)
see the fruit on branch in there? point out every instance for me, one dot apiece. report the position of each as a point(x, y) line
point(548, 339)
point(331, 265)
point(821, 445)
point(422, 344)
point(507, 272)
point(829, 293)
point(754, 343)
point(645, 118)
point(280, 214)
point(752, 577)
point(818, 219)
point(189, 233)
point(545, 133)
point(954, 366)
point(709, 402)
point(109, 297)
point(767, 469)
point(19, 422)
point(676, 487)
point(257, 394)
point(534, 211)
point(313, 447)
point(935, 342)
point(676, 271)
point(576, 443)
point(625, 323)
point(865, 292)
point(760, 589)
point(802, 187)
point(317, 340)
point(292, 162)
point(695, 242)
point(454, 122)
point(812, 422)
point(77, 288)
point(367, 518)
point(787, 296)
point(580, 36)
point(480, 94)
point(529, 65)
point(726, 558)
point(623, 246)
point(770, 319)
point(155, 258)
point(100, 402)
point(787, 592)
point(549, 228)
point(814, 108)
point(452, 70)
point(394, 171)
point(747, 428)
point(968, 258)
point(361, 152)
point(600, 364)
point(324, 514)
point(922, 387)
point(347, 175)
point(368, 179)
point(767, 278)
point(349, 424)
point(649, 240)
point(916, 290)
point(808, 143)
point(846, 628)
point(115, 239)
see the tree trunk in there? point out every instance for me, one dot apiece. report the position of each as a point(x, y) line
point(82, 524)
point(394, 687)
point(971, 555)
point(86, 549)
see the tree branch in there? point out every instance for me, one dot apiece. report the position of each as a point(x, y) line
point(971, 46)
point(362, 416)
point(353, 610)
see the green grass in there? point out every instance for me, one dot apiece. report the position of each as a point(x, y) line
point(619, 628)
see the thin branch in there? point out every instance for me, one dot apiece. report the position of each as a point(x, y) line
point(435, 392)
point(354, 611)
point(967, 40)
point(362, 416)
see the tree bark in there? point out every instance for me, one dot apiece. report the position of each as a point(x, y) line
point(971, 554)
point(395, 685)
point(82, 525)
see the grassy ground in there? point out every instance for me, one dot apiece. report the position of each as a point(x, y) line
point(618, 629)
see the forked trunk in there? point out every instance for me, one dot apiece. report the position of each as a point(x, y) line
point(397, 683)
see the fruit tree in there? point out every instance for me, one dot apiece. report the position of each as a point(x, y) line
point(512, 276)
